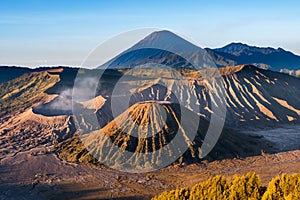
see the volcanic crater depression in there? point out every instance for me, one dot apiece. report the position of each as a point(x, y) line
point(37, 125)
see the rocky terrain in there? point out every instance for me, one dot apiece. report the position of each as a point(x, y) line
point(51, 147)
point(45, 150)
point(36, 176)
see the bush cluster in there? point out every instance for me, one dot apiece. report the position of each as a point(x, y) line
point(240, 187)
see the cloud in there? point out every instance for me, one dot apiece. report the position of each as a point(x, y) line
point(63, 102)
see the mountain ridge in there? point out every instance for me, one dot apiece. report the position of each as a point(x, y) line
point(166, 48)
point(239, 46)
point(255, 98)
point(263, 57)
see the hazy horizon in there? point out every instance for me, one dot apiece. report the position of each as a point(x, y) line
point(50, 33)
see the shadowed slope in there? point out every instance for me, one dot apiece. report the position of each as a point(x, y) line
point(147, 128)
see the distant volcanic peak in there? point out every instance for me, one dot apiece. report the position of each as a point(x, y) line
point(166, 40)
point(161, 48)
point(161, 35)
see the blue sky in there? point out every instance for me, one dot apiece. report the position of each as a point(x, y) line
point(41, 32)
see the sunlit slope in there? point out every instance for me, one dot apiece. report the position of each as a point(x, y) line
point(146, 128)
point(23, 129)
point(23, 92)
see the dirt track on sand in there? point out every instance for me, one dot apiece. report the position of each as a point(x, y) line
point(28, 175)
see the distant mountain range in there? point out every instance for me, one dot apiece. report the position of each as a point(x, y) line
point(37, 105)
point(263, 57)
point(172, 117)
point(165, 47)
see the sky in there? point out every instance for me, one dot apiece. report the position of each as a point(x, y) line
point(50, 33)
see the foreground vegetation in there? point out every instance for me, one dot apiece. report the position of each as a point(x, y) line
point(245, 187)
